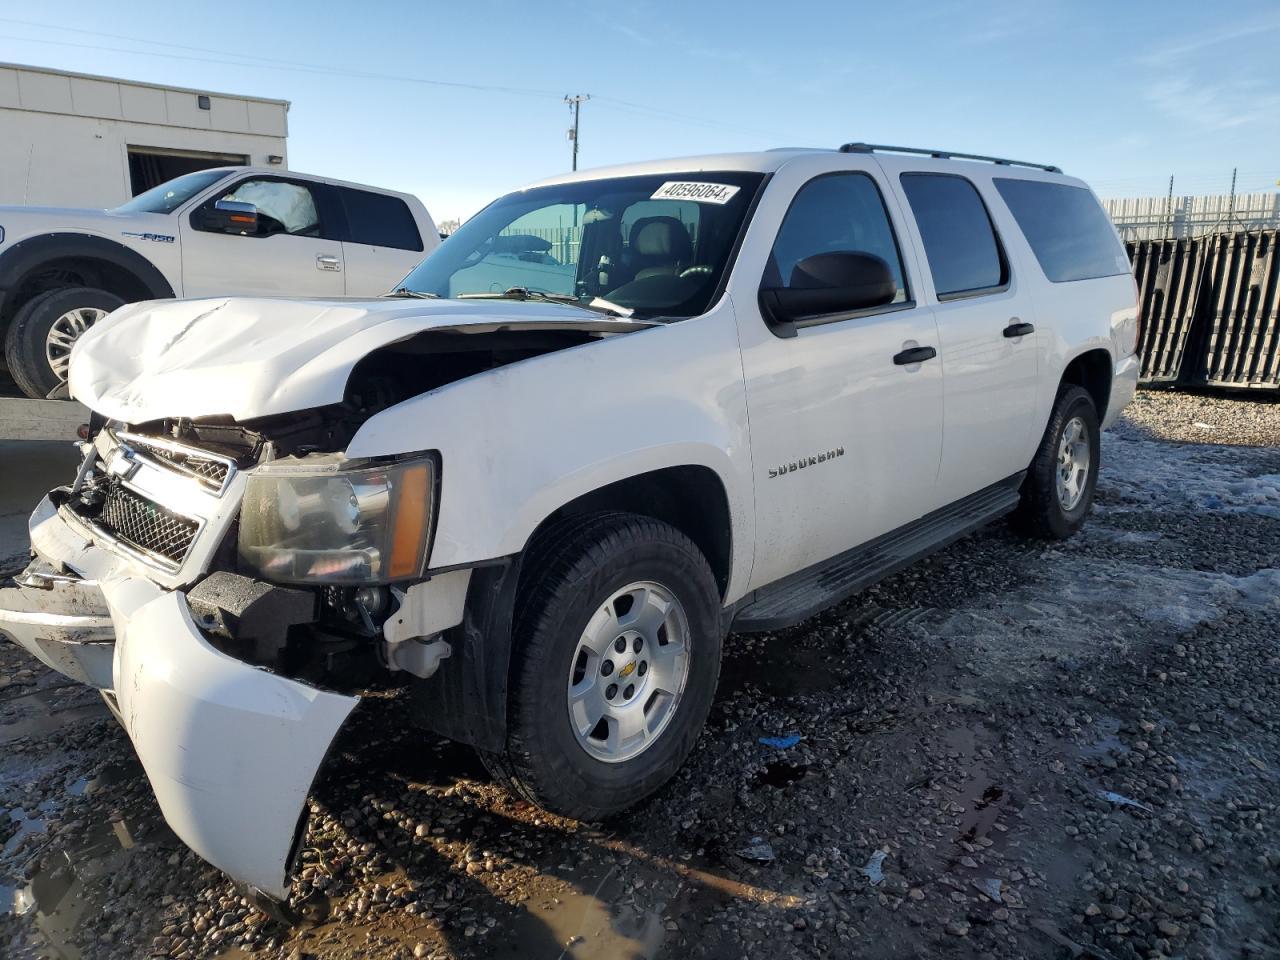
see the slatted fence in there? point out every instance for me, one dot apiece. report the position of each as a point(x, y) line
point(1211, 309)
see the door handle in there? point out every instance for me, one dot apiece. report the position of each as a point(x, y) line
point(1017, 328)
point(326, 262)
point(914, 355)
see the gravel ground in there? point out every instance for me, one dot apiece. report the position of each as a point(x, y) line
point(1013, 749)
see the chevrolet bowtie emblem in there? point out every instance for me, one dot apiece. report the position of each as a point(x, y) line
point(629, 669)
point(122, 464)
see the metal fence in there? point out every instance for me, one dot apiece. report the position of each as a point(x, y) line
point(1211, 309)
point(1155, 218)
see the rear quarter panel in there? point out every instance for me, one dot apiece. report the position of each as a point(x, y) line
point(1072, 317)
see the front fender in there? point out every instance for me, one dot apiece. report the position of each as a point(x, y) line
point(519, 442)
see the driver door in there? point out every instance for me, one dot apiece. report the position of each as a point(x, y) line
point(845, 441)
point(287, 256)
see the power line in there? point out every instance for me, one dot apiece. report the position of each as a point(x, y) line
point(219, 57)
point(286, 65)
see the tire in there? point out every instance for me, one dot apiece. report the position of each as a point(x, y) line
point(575, 573)
point(27, 341)
point(1042, 511)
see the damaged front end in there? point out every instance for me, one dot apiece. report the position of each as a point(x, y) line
point(233, 582)
point(231, 686)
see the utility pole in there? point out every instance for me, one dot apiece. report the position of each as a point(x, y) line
point(575, 102)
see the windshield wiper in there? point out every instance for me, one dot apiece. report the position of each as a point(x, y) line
point(406, 293)
point(598, 304)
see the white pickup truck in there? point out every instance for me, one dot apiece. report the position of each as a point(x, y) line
point(750, 386)
point(229, 230)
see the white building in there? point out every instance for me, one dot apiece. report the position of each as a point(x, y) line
point(72, 140)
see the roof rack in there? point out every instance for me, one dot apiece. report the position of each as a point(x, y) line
point(944, 155)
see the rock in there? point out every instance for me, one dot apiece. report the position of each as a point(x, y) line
point(958, 929)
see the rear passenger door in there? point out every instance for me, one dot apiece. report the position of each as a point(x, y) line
point(986, 328)
point(381, 243)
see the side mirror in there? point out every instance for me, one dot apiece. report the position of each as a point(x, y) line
point(827, 283)
point(231, 216)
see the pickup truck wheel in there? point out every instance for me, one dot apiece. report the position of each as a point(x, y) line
point(617, 654)
point(1058, 490)
point(43, 331)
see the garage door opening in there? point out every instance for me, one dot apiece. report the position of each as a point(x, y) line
point(152, 166)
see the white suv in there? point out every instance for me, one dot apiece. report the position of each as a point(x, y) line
point(230, 230)
point(749, 386)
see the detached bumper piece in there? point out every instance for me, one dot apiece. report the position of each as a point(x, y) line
point(61, 620)
point(231, 749)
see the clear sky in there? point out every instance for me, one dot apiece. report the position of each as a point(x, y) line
point(1123, 94)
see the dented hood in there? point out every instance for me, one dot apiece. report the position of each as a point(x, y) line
point(254, 357)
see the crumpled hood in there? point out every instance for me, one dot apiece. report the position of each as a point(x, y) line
point(253, 357)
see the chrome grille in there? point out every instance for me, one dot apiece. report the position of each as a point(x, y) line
point(209, 469)
point(147, 527)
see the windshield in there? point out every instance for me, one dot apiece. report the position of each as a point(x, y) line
point(658, 245)
point(169, 196)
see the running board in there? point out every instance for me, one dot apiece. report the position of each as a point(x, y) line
point(803, 594)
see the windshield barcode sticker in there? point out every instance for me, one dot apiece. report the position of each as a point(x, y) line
point(719, 193)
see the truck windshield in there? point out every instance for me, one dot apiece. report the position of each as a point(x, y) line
point(658, 245)
point(169, 196)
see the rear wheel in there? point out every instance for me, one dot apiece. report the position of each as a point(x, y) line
point(617, 654)
point(1058, 490)
point(45, 328)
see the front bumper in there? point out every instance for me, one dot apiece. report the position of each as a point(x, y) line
point(231, 750)
point(62, 621)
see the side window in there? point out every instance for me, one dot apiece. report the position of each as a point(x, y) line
point(964, 255)
point(283, 207)
point(841, 212)
point(379, 220)
point(1067, 229)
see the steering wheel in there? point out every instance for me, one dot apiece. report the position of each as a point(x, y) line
point(697, 270)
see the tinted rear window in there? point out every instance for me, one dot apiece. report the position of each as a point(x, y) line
point(964, 255)
point(379, 220)
point(1070, 234)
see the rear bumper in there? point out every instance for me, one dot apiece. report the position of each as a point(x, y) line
point(231, 750)
point(1124, 384)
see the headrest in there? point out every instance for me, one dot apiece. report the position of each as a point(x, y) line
point(661, 237)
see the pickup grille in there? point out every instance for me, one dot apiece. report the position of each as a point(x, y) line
point(145, 526)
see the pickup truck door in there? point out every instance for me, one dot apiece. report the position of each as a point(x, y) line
point(845, 436)
point(986, 324)
point(288, 255)
point(381, 243)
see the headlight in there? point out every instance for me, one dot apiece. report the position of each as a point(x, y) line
point(324, 521)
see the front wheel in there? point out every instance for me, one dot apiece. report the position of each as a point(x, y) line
point(617, 654)
point(1058, 490)
point(45, 328)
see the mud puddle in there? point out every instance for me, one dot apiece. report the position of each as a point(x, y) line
point(65, 883)
point(37, 713)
